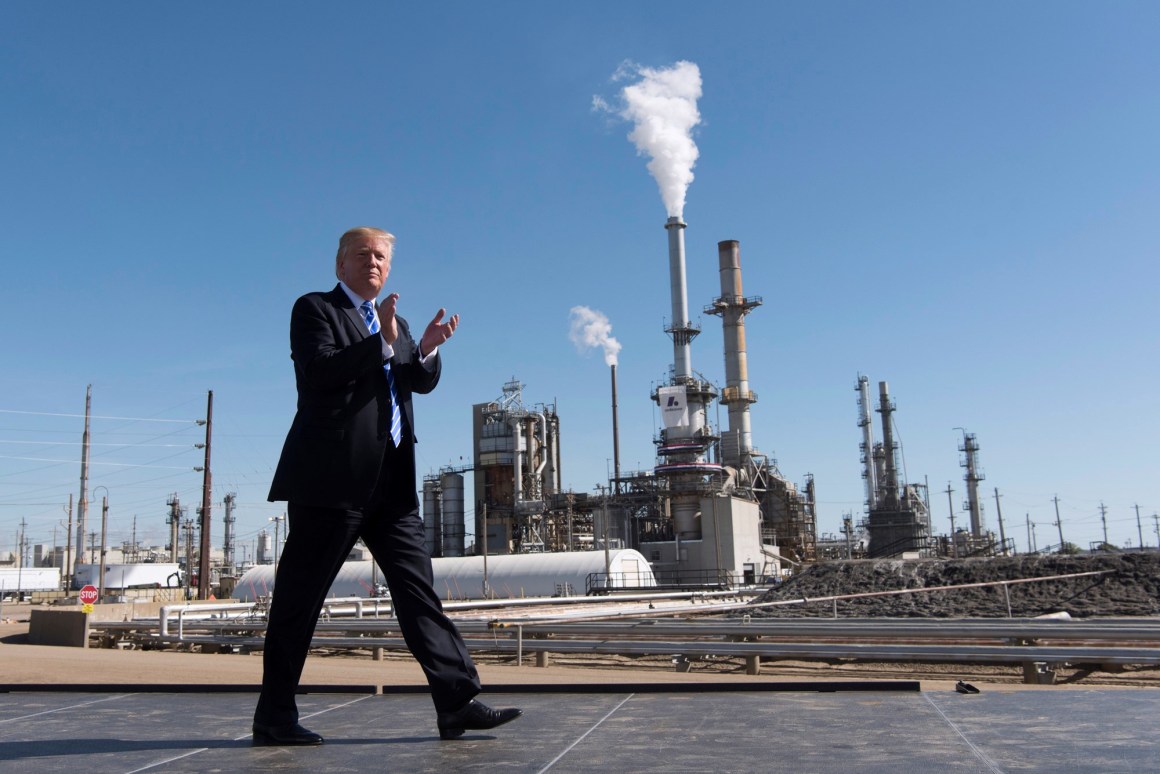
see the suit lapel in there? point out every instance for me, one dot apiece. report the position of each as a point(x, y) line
point(341, 300)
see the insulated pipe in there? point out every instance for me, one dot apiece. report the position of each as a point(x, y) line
point(517, 467)
point(542, 451)
point(682, 367)
point(556, 452)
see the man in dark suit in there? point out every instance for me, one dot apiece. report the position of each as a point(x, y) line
point(347, 471)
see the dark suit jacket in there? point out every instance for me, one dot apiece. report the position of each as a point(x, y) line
point(334, 451)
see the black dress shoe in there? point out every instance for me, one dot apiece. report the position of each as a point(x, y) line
point(473, 716)
point(281, 736)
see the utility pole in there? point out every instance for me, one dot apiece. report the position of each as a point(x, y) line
point(20, 560)
point(82, 508)
point(951, 505)
point(1139, 528)
point(999, 514)
point(1058, 523)
point(104, 526)
point(1030, 547)
point(68, 562)
point(206, 488)
point(1104, 521)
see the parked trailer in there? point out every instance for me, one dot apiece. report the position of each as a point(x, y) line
point(22, 579)
point(145, 575)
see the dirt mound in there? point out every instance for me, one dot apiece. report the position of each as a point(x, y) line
point(1129, 586)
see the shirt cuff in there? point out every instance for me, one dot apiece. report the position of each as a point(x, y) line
point(428, 360)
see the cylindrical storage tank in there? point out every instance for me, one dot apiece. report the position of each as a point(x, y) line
point(453, 530)
point(510, 576)
point(432, 518)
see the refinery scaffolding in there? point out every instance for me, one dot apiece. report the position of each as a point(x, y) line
point(519, 504)
point(898, 520)
point(712, 512)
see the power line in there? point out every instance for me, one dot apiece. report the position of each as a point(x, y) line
point(119, 464)
point(82, 416)
point(80, 443)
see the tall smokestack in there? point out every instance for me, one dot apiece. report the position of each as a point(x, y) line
point(615, 436)
point(737, 445)
point(680, 329)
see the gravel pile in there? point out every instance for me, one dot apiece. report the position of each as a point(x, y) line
point(1130, 586)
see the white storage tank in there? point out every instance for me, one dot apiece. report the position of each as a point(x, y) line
point(508, 576)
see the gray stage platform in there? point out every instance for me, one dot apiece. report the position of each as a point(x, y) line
point(1065, 730)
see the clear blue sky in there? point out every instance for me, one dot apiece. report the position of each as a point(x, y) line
point(958, 198)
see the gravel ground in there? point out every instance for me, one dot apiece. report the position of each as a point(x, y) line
point(1130, 586)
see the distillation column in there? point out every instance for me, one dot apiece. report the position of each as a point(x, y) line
point(868, 472)
point(890, 485)
point(970, 448)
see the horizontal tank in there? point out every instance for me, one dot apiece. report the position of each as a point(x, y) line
point(509, 576)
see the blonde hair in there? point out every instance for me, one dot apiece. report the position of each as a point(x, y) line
point(358, 233)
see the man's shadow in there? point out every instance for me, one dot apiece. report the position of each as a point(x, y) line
point(42, 748)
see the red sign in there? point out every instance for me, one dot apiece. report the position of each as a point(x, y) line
point(88, 595)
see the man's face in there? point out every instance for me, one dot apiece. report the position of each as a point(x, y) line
point(364, 266)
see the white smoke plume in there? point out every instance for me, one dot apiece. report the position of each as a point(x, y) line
point(590, 329)
point(662, 106)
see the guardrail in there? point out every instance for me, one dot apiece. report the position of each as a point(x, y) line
point(1040, 644)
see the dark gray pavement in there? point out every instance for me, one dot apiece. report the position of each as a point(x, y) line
point(1049, 730)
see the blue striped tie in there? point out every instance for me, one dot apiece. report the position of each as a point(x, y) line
point(372, 321)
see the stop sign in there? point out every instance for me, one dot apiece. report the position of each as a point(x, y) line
point(88, 595)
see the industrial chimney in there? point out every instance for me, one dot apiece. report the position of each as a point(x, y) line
point(686, 435)
point(732, 306)
point(681, 329)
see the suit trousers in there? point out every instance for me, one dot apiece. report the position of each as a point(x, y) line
point(318, 541)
